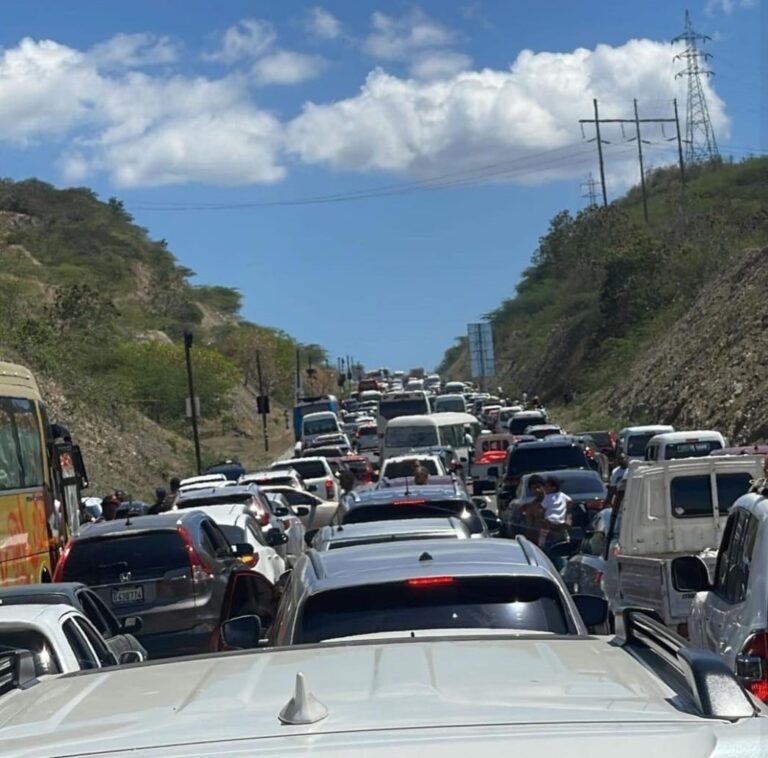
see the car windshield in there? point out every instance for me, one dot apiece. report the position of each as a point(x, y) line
point(531, 457)
point(104, 560)
point(515, 603)
point(413, 506)
point(411, 436)
point(390, 409)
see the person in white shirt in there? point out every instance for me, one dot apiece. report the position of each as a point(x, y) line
point(555, 502)
point(618, 478)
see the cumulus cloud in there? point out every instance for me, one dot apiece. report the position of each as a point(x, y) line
point(132, 50)
point(248, 38)
point(397, 39)
point(322, 24)
point(727, 6)
point(440, 64)
point(287, 67)
point(479, 117)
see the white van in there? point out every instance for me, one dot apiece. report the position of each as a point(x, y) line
point(633, 439)
point(315, 424)
point(407, 433)
point(671, 445)
point(450, 404)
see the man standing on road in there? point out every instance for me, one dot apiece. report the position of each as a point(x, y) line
point(170, 498)
point(618, 479)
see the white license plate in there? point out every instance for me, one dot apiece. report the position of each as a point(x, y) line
point(126, 595)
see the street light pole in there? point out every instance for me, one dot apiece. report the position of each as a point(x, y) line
point(192, 398)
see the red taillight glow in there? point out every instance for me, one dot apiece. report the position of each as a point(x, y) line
point(408, 502)
point(757, 646)
point(429, 581)
point(759, 690)
point(329, 488)
point(58, 573)
point(200, 570)
point(492, 456)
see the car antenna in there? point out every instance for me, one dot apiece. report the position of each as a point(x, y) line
point(128, 521)
point(407, 491)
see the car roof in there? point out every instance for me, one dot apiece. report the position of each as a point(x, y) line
point(706, 435)
point(49, 588)
point(647, 428)
point(558, 441)
point(229, 513)
point(217, 493)
point(32, 612)
point(413, 491)
point(135, 525)
point(410, 457)
point(395, 526)
point(282, 463)
point(567, 472)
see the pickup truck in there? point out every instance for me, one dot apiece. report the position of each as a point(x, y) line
point(671, 508)
point(488, 461)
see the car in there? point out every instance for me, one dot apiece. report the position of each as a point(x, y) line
point(490, 452)
point(288, 477)
point(330, 440)
point(633, 439)
point(119, 635)
point(521, 420)
point(376, 532)
point(450, 403)
point(606, 440)
point(543, 455)
point(643, 692)
point(316, 424)
point(292, 526)
point(360, 466)
point(232, 470)
point(367, 437)
point(240, 526)
point(170, 569)
point(312, 510)
point(317, 474)
point(687, 444)
point(426, 588)
point(416, 501)
point(585, 488)
point(61, 639)
point(542, 431)
point(204, 480)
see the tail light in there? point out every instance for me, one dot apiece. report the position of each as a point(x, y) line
point(250, 560)
point(200, 569)
point(58, 573)
point(329, 489)
point(429, 581)
point(752, 665)
point(492, 456)
point(408, 502)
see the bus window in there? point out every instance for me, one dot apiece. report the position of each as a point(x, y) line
point(30, 447)
point(10, 466)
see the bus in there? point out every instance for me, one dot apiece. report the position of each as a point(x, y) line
point(41, 473)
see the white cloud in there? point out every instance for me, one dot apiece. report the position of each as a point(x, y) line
point(287, 67)
point(400, 38)
point(133, 50)
point(440, 64)
point(322, 24)
point(727, 6)
point(484, 117)
point(248, 38)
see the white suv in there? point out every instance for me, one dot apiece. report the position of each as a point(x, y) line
point(316, 473)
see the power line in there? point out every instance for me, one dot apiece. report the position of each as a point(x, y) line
point(590, 191)
point(700, 143)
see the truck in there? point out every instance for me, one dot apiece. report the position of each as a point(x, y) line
point(315, 404)
point(670, 508)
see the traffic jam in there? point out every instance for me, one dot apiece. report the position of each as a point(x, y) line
point(426, 555)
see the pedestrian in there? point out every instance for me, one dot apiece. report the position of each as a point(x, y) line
point(346, 480)
point(618, 479)
point(109, 506)
point(159, 505)
point(170, 498)
point(555, 502)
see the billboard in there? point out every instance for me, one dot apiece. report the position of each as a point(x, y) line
point(482, 362)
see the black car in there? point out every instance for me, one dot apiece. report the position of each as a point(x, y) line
point(542, 455)
point(117, 634)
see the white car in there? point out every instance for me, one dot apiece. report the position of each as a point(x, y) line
point(316, 473)
point(292, 524)
point(312, 510)
point(239, 526)
point(284, 477)
point(61, 639)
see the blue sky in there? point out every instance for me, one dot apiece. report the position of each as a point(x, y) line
point(183, 105)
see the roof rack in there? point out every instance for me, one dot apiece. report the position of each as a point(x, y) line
point(714, 688)
point(17, 669)
point(526, 546)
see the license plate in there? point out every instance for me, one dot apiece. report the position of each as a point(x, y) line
point(126, 595)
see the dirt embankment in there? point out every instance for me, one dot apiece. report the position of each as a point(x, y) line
point(709, 370)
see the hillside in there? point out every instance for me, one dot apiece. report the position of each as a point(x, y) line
point(98, 310)
point(641, 322)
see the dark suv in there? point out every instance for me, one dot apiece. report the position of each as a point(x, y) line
point(171, 569)
point(541, 455)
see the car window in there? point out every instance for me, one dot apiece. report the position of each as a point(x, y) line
point(691, 496)
point(217, 539)
point(530, 458)
point(417, 508)
point(308, 469)
point(44, 655)
point(146, 555)
point(521, 603)
point(103, 653)
point(400, 469)
point(111, 624)
point(92, 613)
point(296, 497)
point(691, 449)
point(730, 487)
point(77, 641)
point(733, 566)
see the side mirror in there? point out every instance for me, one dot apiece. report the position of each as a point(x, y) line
point(276, 537)
point(132, 625)
point(241, 633)
point(131, 656)
point(312, 488)
point(689, 574)
point(309, 536)
point(592, 609)
point(281, 512)
point(302, 511)
point(492, 521)
point(241, 549)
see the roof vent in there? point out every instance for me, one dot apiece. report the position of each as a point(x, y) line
point(303, 707)
point(425, 556)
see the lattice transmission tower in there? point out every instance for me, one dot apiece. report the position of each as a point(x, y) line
point(700, 143)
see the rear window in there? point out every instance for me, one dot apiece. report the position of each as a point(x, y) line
point(411, 436)
point(519, 425)
point(691, 496)
point(519, 603)
point(307, 469)
point(38, 644)
point(366, 430)
point(326, 452)
point(401, 469)
point(496, 445)
point(580, 485)
point(414, 508)
point(146, 556)
point(602, 439)
point(691, 449)
point(636, 444)
point(235, 534)
point(527, 459)
point(321, 426)
point(390, 409)
point(456, 405)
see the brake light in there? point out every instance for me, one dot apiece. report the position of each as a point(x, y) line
point(756, 647)
point(58, 572)
point(492, 456)
point(329, 489)
point(250, 560)
point(429, 581)
point(408, 502)
point(200, 570)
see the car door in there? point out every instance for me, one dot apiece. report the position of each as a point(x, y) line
point(78, 644)
point(107, 624)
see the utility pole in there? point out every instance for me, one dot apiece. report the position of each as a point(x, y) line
point(263, 402)
point(636, 121)
point(192, 399)
point(600, 154)
point(298, 374)
point(679, 147)
point(700, 143)
point(589, 189)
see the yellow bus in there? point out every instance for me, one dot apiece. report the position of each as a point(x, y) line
point(33, 505)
